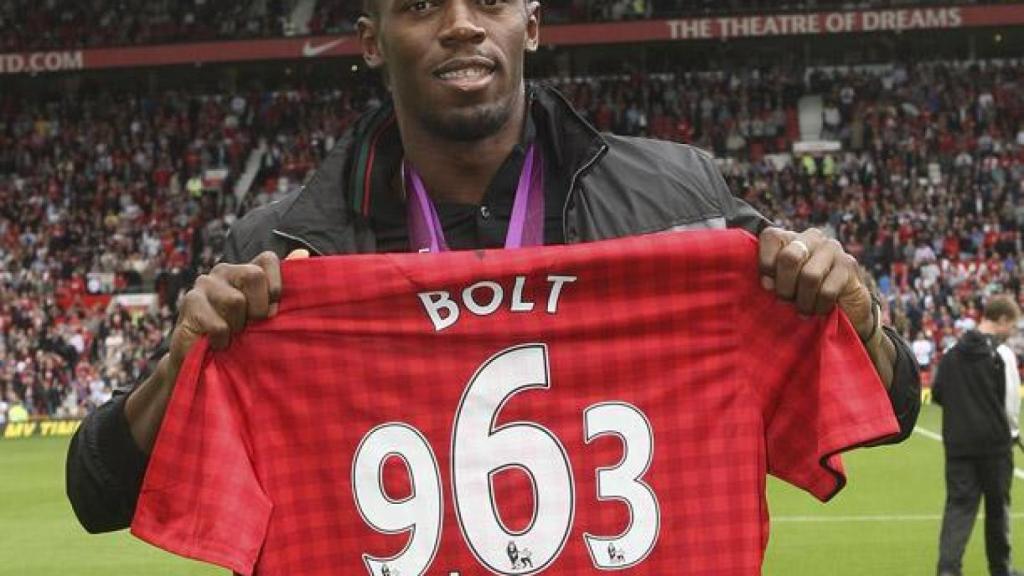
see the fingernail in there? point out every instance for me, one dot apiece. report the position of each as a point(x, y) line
point(767, 283)
point(273, 310)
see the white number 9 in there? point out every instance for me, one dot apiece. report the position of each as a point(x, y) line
point(420, 513)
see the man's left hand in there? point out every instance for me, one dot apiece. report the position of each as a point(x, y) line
point(815, 273)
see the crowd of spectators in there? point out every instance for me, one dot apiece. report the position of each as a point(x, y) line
point(926, 192)
point(116, 186)
point(28, 26)
point(34, 25)
point(616, 10)
point(693, 8)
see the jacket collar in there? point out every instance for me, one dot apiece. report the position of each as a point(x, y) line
point(329, 215)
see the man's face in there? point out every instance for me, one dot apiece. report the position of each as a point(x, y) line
point(453, 66)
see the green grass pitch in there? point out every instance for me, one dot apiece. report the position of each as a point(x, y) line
point(884, 523)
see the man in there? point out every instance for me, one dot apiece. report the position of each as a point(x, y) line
point(923, 348)
point(463, 127)
point(977, 385)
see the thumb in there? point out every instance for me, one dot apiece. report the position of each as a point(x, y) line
point(855, 301)
point(300, 254)
point(182, 338)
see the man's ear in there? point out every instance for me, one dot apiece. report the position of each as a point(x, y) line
point(532, 25)
point(369, 40)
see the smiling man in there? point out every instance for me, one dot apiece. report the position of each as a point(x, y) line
point(466, 155)
point(452, 83)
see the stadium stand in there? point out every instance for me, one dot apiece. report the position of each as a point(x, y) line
point(102, 185)
point(105, 195)
point(102, 23)
point(137, 22)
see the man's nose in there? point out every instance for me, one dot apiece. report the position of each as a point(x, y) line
point(460, 24)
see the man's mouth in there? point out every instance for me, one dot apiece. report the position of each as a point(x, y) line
point(466, 73)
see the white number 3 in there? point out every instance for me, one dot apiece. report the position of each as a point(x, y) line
point(623, 482)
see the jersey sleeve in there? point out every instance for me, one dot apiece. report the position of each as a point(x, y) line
point(820, 394)
point(201, 497)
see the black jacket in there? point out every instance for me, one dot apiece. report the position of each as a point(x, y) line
point(971, 388)
point(617, 187)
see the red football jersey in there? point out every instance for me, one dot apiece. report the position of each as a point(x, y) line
point(570, 409)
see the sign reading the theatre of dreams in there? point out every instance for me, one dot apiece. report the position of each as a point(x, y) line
point(639, 31)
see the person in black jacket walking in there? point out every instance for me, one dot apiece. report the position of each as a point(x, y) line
point(462, 118)
point(978, 414)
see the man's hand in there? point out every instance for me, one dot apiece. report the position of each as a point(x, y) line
point(220, 304)
point(816, 273)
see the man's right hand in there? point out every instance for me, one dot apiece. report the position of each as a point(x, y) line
point(222, 302)
point(219, 305)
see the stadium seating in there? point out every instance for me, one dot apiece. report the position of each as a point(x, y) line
point(100, 23)
point(134, 22)
point(927, 192)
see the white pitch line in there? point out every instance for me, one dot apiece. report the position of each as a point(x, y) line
point(928, 433)
point(869, 518)
point(1017, 472)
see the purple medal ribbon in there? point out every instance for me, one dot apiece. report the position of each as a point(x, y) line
point(525, 228)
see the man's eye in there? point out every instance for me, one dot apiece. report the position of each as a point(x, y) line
point(491, 3)
point(419, 6)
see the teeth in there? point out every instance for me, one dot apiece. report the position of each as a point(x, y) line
point(465, 73)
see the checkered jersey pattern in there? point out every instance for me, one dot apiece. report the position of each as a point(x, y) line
point(254, 466)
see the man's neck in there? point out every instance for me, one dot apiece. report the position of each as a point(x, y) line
point(460, 172)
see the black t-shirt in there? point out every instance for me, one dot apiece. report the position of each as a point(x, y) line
point(471, 226)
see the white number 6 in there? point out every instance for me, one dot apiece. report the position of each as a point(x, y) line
point(480, 449)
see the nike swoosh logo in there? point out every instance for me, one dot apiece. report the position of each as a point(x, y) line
point(311, 51)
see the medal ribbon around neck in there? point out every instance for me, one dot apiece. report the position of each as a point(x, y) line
point(525, 228)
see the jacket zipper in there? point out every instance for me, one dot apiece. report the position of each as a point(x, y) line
point(300, 241)
point(572, 189)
